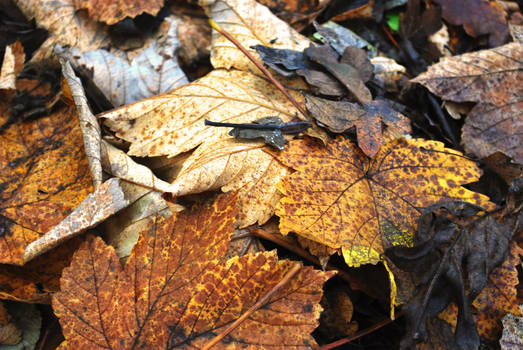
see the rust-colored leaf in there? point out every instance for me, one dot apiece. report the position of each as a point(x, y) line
point(174, 292)
point(478, 17)
point(173, 123)
point(111, 12)
point(492, 78)
point(44, 175)
point(341, 198)
point(234, 165)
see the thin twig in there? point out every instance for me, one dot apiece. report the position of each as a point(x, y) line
point(359, 334)
point(297, 250)
point(264, 300)
point(264, 70)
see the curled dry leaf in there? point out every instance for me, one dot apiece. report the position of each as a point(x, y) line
point(44, 175)
point(234, 165)
point(251, 24)
point(153, 71)
point(174, 292)
point(343, 199)
point(173, 123)
point(492, 78)
point(12, 65)
point(112, 11)
point(66, 26)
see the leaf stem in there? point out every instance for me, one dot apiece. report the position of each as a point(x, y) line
point(264, 70)
point(260, 303)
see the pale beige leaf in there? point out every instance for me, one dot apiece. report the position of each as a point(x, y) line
point(235, 165)
point(153, 70)
point(173, 123)
point(12, 65)
point(66, 26)
point(251, 24)
point(91, 131)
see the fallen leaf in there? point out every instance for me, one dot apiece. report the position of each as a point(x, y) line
point(387, 73)
point(44, 175)
point(478, 17)
point(12, 65)
point(252, 24)
point(336, 318)
point(112, 12)
point(340, 198)
point(296, 11)
point(492, 79)
point(234, 165)
point(512, 338)
point(66, 26)
point(456, 247)
point(339, 116)
point(123, 80)
point(341, 11)
point(174, 292)
point(173, 123)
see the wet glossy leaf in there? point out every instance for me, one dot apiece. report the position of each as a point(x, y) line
point(341, 198)
point(174, 292)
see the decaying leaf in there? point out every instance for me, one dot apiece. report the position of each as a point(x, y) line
point(340, 116)
point(66, 26)
point(492, 78)
point(252, 24)
point(12, 65)
point(456, 248)
point(512, 338)
point(234, 165)
point(112, 12)
point(174, 292)
point(478, 17)
point(44, 175)
point(29, 320)
point(173, 123)
point(123, 80)
point(340, 198)
point(10, 333)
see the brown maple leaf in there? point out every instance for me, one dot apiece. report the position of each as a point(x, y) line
point(341, 198)
point(491, 78)
point(174, 290)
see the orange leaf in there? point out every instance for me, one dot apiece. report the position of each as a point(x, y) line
point(44, 175)
point(111, 12)
point(341, 198)
point(174, 291)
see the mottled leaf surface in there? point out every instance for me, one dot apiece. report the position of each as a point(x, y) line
point(341, 198)
point(112, 12)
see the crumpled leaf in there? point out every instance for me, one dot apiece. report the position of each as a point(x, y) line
point(339, 116)
point(478, 17)
point(251, 24)
point(28, 317)
point(124, 80)
point(12, 65)
point(512, 338)
point(492, 78)
point(456, 248)
point(173, 123)
point(112, 12)
point(234, 165)
point(44, 175)
point(66, 26)
point(340, 198)
point(174, 292)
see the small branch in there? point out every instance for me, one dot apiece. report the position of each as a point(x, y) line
point(260, 303)
point(264, 70)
